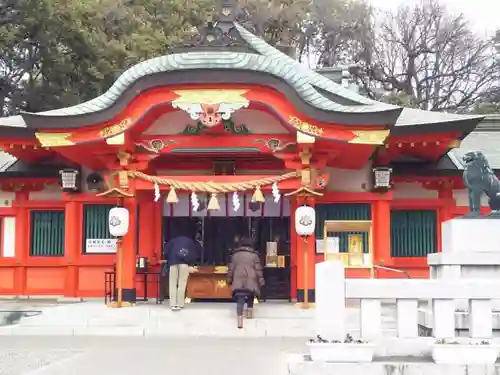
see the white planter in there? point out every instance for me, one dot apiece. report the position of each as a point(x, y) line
point(340, 352)
point(460, 354)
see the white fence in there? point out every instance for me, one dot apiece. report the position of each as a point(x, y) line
point(332, 290)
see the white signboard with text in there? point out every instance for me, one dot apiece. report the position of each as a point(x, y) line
point(100, 246)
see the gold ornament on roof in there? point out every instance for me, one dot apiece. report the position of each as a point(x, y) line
point(210, 106)
point(54, 139)
point(369, 137)
point(112, 130)
point(305, 127)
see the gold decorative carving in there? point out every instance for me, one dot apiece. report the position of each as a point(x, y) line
point(210, 106)
point(306, 177)
point(112, 130)
point(305, 126)
point(54, 139)
point(123, 157)
point(155, 145)
point(305, 156)
point(123, 178)
point(221, 269)
point(304, 190)
point(115, 193)
point(369, 137)
point(220, 284)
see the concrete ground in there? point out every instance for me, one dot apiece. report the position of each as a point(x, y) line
point(272, 319)
point(52, 355)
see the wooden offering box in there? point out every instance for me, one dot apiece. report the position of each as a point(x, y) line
point(209, 282)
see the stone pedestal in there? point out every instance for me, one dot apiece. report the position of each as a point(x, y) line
point(471, 250)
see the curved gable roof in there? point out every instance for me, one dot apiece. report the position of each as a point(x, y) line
point(319, 93)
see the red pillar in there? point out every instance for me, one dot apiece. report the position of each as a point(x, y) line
point(129, 249)
point(446, 210)
point(22, 241)
point(381, 212)
point(305, 256)
point(293, 250)
point(72, 245)
point(146, 238)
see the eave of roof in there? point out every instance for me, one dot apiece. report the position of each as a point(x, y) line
point(485, 138)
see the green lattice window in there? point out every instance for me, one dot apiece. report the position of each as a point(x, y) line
point(47, 234)
point(413, 233)
point(95, 222)
point(342, 211)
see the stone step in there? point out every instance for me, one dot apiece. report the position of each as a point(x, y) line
point(197, 319)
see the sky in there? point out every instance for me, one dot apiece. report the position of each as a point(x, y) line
point(484, 15)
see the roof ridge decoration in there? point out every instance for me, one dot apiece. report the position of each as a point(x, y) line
point(220, 31)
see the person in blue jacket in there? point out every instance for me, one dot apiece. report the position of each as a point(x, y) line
point(180, 252)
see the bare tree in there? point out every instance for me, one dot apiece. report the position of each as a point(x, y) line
point(424, 57)
point(335, 32)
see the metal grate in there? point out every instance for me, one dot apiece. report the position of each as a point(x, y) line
point(413, 233)
point(47, 234)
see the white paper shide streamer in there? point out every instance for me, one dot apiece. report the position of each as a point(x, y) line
point(276, 193)
point(195, 202)
point(157, 192)
point(236, 202)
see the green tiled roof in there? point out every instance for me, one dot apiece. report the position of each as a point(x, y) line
point(270, 60)
point(308, 84)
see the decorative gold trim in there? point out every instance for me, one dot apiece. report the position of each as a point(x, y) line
point(115, 193)
point(305, 126)
point(369, 137)
point(220, 284)
point(54, 139)
point(112, 130)
point(304, 190)
point(211, 97)
point(221, 269)
point(123, 179)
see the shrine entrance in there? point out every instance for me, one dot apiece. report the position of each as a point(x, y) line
point(218, 235)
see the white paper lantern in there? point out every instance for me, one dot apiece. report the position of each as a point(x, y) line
point(118, 221)
point(305, 220)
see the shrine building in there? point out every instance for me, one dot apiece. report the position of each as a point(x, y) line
point(222, 138)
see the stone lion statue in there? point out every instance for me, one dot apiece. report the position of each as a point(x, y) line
point(480, 179)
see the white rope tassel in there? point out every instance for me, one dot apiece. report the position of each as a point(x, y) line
point(276, 193)
point(236, 202)
point(195, 202)
point(157, 193)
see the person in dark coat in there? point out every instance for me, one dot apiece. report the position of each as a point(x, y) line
point(245, 277)
point(180, 252)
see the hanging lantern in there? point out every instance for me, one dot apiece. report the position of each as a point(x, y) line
point(382, 178)
point(118, 221)
point(305, 220)
point(70, 180)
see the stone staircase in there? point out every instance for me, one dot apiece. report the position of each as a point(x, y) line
point(272, 319)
